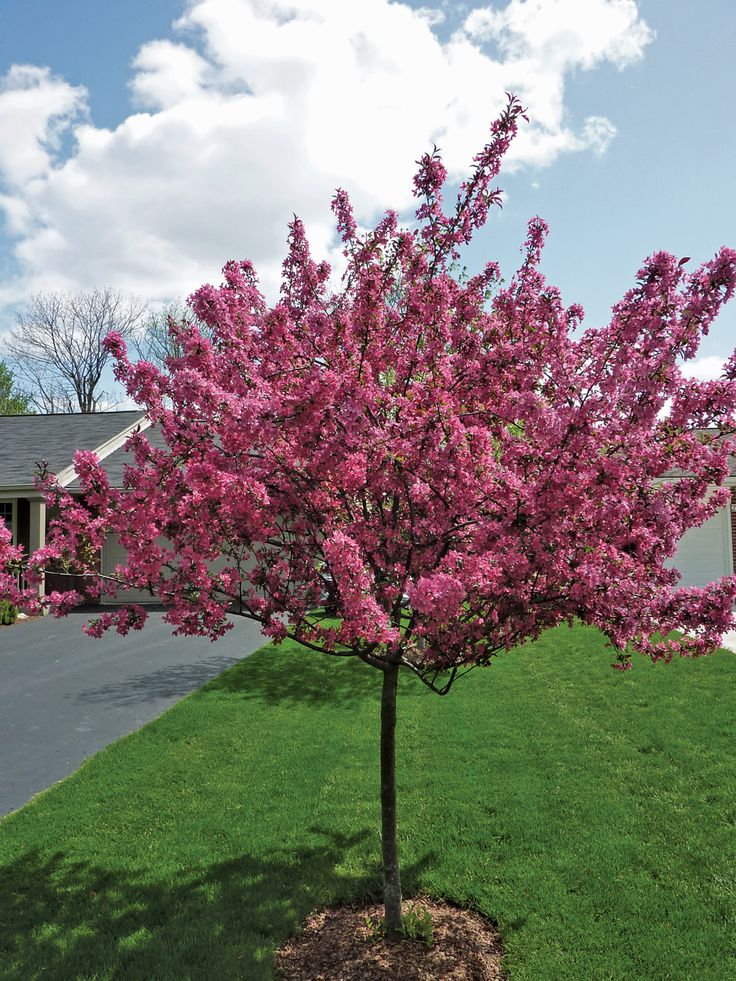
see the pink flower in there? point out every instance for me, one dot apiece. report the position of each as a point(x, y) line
point(419, 465)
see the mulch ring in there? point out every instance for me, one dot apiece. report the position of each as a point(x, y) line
point(339, 945)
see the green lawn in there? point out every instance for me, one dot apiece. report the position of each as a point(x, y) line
point(591, 813)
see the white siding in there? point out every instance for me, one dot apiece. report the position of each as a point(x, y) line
point(704, 553)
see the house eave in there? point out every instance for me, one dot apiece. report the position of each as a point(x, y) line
point(69, 474)
point(21, 490)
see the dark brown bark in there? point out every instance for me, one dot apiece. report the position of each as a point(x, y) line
point(391, 878)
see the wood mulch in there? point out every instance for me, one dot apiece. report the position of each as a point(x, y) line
point(338, 945)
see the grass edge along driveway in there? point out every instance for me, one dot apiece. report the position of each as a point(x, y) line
point(590, 813)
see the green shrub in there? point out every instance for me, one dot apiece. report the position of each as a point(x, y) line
point(8, 612)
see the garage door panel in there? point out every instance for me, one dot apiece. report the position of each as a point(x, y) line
point(114, 554)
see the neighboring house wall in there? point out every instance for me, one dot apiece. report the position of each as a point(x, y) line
point(706, 553)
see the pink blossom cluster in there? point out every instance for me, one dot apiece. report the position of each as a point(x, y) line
point(421, 467)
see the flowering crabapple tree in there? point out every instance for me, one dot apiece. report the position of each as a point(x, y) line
point(422, 469)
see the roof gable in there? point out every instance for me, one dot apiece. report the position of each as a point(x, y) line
point(114, 464)
point(27, 440)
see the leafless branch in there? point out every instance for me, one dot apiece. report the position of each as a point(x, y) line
point(56, 346)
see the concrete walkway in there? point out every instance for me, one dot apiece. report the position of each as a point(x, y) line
point(64, 696)
point(729, 640)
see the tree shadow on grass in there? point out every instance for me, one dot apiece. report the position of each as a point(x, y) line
point(63, 919)
point(273, 675)
point(290, 674)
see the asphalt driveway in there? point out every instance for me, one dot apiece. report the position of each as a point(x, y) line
point(64, 696)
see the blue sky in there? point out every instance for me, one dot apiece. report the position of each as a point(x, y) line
point(143, 144)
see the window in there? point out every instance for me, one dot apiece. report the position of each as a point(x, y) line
point(6, 513)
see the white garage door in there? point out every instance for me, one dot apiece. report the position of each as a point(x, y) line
point(114, 554)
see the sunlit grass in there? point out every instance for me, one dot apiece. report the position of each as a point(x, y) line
point(590, 813)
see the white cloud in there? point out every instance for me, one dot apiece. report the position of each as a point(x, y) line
point(167, 74)
point(564, 33)
point(431, 15)
point(35, 109)
point(262, 109)
point(597, 134)
point(704, 369)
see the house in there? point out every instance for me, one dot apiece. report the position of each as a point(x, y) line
point(27, 440)
point(703, 555)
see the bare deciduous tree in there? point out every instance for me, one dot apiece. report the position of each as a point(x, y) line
point(155, 341)
point(57, 350)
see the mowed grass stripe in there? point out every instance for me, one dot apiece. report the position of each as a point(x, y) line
point(590, 813)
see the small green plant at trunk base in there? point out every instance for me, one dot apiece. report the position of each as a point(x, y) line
point(416, 924)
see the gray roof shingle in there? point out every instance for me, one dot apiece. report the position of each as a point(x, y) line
point(26, 440)
point(115, 463)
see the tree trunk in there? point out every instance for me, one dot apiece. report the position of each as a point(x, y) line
point(391, 880)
